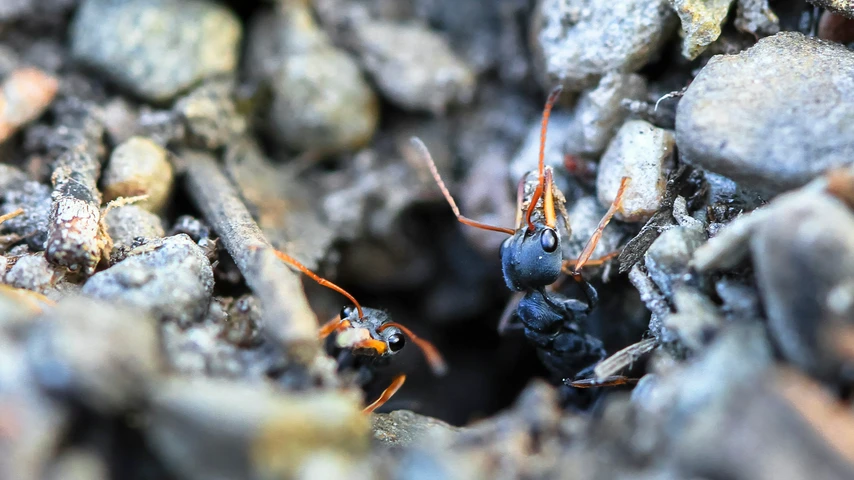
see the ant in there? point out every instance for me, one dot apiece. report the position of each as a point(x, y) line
point(366, 338)
point(532, 260)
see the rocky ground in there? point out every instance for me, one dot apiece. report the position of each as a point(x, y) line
point(152, 152)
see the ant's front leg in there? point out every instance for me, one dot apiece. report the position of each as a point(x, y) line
point(574, 305)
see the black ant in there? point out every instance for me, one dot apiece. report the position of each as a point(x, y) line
point(532, 260)
point(366, 338)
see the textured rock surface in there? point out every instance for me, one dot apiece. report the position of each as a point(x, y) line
point(701, 23)
point(575, 42)
point(643, 153)
point(139, 167)
point(171, 278)
point(765, 118)
point(156, 48)
point(321, 101)
point(599, 112)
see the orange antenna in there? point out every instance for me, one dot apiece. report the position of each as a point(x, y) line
point(542, 161)
point(422, 151)
point(434, 358)
point(322, 281)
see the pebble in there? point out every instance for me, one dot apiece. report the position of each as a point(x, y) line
point(33, 272)
point(100, 354)
point(156, 48)
point(802, 256)
point(139, 167)
point(765, 119)
point(170, 277)
point(645, 154)
point(576, 42)
point(756, 17)
point(527, 156)
point(34, 198)
point(321, 100)
point(842, 7)
point(24, 95)
point(701, 23)
point(668, 258)
point(218, 430)
point(131, 224)
point(413, 66)
point(210, 114)
point(599, 112)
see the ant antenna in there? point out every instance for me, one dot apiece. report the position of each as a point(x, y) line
point(547, 111)
point(422, 151)
point(322, 281)
point(437, 364)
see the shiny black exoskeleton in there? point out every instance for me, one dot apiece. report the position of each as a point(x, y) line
point(554, 323)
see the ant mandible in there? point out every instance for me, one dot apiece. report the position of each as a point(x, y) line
point(531, 260)
point(368, 337)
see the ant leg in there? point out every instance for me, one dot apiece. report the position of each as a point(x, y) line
point(425, 155)
point(612, 381)
point(584, 257)
point(507, 315)
point(569, 265)
point(387, 394)
point(576, 305)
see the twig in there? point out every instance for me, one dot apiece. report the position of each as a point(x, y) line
point(74, 239)
point(287, 317)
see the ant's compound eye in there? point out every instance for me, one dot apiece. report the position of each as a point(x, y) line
point(346, 312)
point(502, 248)
point(548, 240)
point(396, 342)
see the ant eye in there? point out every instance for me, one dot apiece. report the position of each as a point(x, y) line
point(502, 248)
point(396, 342)
point(346, 312)
point(548, 240)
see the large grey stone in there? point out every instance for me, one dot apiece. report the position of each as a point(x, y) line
point(773, 116)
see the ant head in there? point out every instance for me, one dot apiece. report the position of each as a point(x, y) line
point(531, 259)
point(369, 334)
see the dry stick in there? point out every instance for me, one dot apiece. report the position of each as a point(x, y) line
point(288, 319)
point(74, 236)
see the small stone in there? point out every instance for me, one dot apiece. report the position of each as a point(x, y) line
point(33, 272)
point(576, 42)
point(701, 23)
point(202, 429)
point(764, 119)
point(170, 277)
point(156, 48)
point(321, 101)
point(696, 319)
point(35, 200)
point(102, 355)
point(402, 428)
point(599, 112)
point(669, 256)
point(211, 115)
point(413, 67)
point(756, 17)
point(130, 224)
point(801, 256)
point(842, 7)
point(836, 28)
point(139, 167)
point(24, 95)
point(643, 153)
